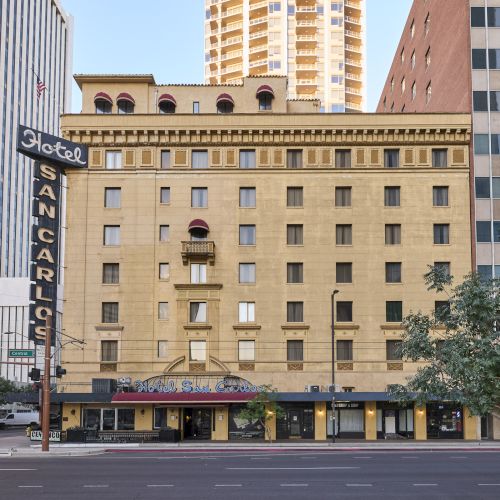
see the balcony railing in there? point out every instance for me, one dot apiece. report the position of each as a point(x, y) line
point(198, 249)
point(353, 20)
point(353, 34)
point(258, 5)
point(353, 62)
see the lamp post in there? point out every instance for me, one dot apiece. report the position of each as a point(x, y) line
point(333, 363)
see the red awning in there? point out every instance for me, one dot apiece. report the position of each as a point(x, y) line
point(102, 96)
point(124, 96)
point(225, 98)
point(167, 98)
point(198, 224)
point(183, 397)
point(265, 89)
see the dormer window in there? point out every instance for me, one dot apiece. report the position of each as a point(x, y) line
point(125, 104)
point(103, 103)
point(198, 229)
point(166, 104)
point(225, 104)
point(265, 95)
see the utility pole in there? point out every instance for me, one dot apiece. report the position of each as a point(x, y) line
point(46, 386)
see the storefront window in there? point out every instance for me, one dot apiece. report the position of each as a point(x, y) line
point(297, 421)
point(349, 421)
point(240, 429)
point(394, 420)
point(109, 419)
point(126, 417)
point(444, 421)
point(160, 418)
point(92, 418)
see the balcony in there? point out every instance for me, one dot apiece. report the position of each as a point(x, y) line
point(258, 5)
point(258, 20)
point(352, 76)
point(232, 12)
point(353, 34)
point(352, 4)
point(353, 105)
point(353, 62)
point(352, 20)
point(203, 249)
point(232, 41)
point(353, 91)
point(353, 48)
point(258, 63)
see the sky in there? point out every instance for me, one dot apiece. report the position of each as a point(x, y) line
point(166, 38)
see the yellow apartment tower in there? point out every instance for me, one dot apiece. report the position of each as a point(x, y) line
point(318, 44)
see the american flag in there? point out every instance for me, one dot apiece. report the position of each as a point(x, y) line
point(40, 87)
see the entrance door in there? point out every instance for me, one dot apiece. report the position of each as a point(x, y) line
point(295, 423)
point(197, 423)
point(390, 424)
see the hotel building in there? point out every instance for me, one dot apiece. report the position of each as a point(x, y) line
point(447, 61)
point(35, 41)
point(318, 44)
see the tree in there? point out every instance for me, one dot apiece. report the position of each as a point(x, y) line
point(5, 387)
point(459, 343)
point(263, 408)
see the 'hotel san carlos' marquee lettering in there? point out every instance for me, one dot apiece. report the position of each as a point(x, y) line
point(56, 154)
point(187, 386)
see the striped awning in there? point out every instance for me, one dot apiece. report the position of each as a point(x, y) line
point(102, 96)
point(198, 224)
point(124, 96)
point(167, 98)
point(225, 98)
point(265, 89)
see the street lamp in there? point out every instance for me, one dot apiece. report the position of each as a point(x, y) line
point(333, 363)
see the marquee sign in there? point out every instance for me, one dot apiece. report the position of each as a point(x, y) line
point(51, 154)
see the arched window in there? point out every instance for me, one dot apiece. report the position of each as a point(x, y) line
point(265, 95)
point(125, 103)
point(166, 104)
point(103, 103)
point(225, 104)
point(198, 229)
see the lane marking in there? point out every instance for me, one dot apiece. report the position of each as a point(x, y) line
point(291, 468)
point(96, 485)
point(295, 485)
point(159, 485)
point(228, 485)
point(308, 458)
point(424, 484)
point(362, 457)
point(410, 457)
point(459, 457)
point(18, 469)
point(29, 486)
point(260, 458)
point(358, 484)
point(488, 484)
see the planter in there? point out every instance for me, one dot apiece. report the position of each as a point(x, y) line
point(169, 436)
point(76, 436)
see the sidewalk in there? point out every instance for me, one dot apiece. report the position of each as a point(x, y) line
point(75, 449)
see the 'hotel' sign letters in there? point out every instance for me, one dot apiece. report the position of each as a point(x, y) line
point(52, 155)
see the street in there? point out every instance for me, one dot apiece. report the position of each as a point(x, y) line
point(255, 475)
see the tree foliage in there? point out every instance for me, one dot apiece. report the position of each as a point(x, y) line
point(263, 408)
point(459, 344)
point(5, 387)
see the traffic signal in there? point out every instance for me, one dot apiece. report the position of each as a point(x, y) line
point(34, 374)
point(60, 371)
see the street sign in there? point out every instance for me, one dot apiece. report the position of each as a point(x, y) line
point(54, 436)
point(21, 353)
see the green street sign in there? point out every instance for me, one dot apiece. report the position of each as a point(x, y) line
point(21, 353)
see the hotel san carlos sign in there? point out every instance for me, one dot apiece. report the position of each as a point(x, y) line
point(173, 385)
point(52, 155)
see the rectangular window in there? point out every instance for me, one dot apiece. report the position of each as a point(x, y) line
point(247, 158)
point(393, 350)
point(495, 144)
point(165, 159)
point(247, 273)
point(111, 235)
point(413, 91)
point(342, 158)
point(393, 234)
point(199, 197)
point(485, 272)
point(477, 18)
point(439, 158)
point(427, 24)
point(163, 310)
point(198, 273)
point(199, 159)
point(493, 17)
point(294, 158)
point(480, 100)
point(109, 351)
point(246, 350)
point(482, 187)
point(109, 312)
point(440, 196)
point(343, 196)
point(392, 196)
point(247, 197)
point(394, 311)
point(294, 197)
point(495, 100)
point(247, 234)
point(344, 312)
point(295, 272)
point(295, 312)
point(113, 160)
point(295, 350)
point(393, 272)
point(196, 107)
point(391, 158)
point(483, 231)
point(344, 272)
point(428, 58)
point(112, 197)
point(294, 234)
point(111, 274)
point(481, 144)
point(246, 312)
point(344, 350)
point(164, 232)
point(343, 234)
point(164, 271)
point(197, 350)
point(198, 312)
point(441, 310)
point(478, 58)
point(428, 93)
point(162, 348)
point(441, 234)
point(165, 195)
point(494, 58)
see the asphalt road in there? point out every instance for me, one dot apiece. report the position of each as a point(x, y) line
point(254, 475)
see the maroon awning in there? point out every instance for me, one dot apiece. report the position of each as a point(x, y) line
point(183, 397)
point(225, 98)
point(198, 224)
point(102, 96)
point(125, 96)
point(265, 89)
point(167, 98)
